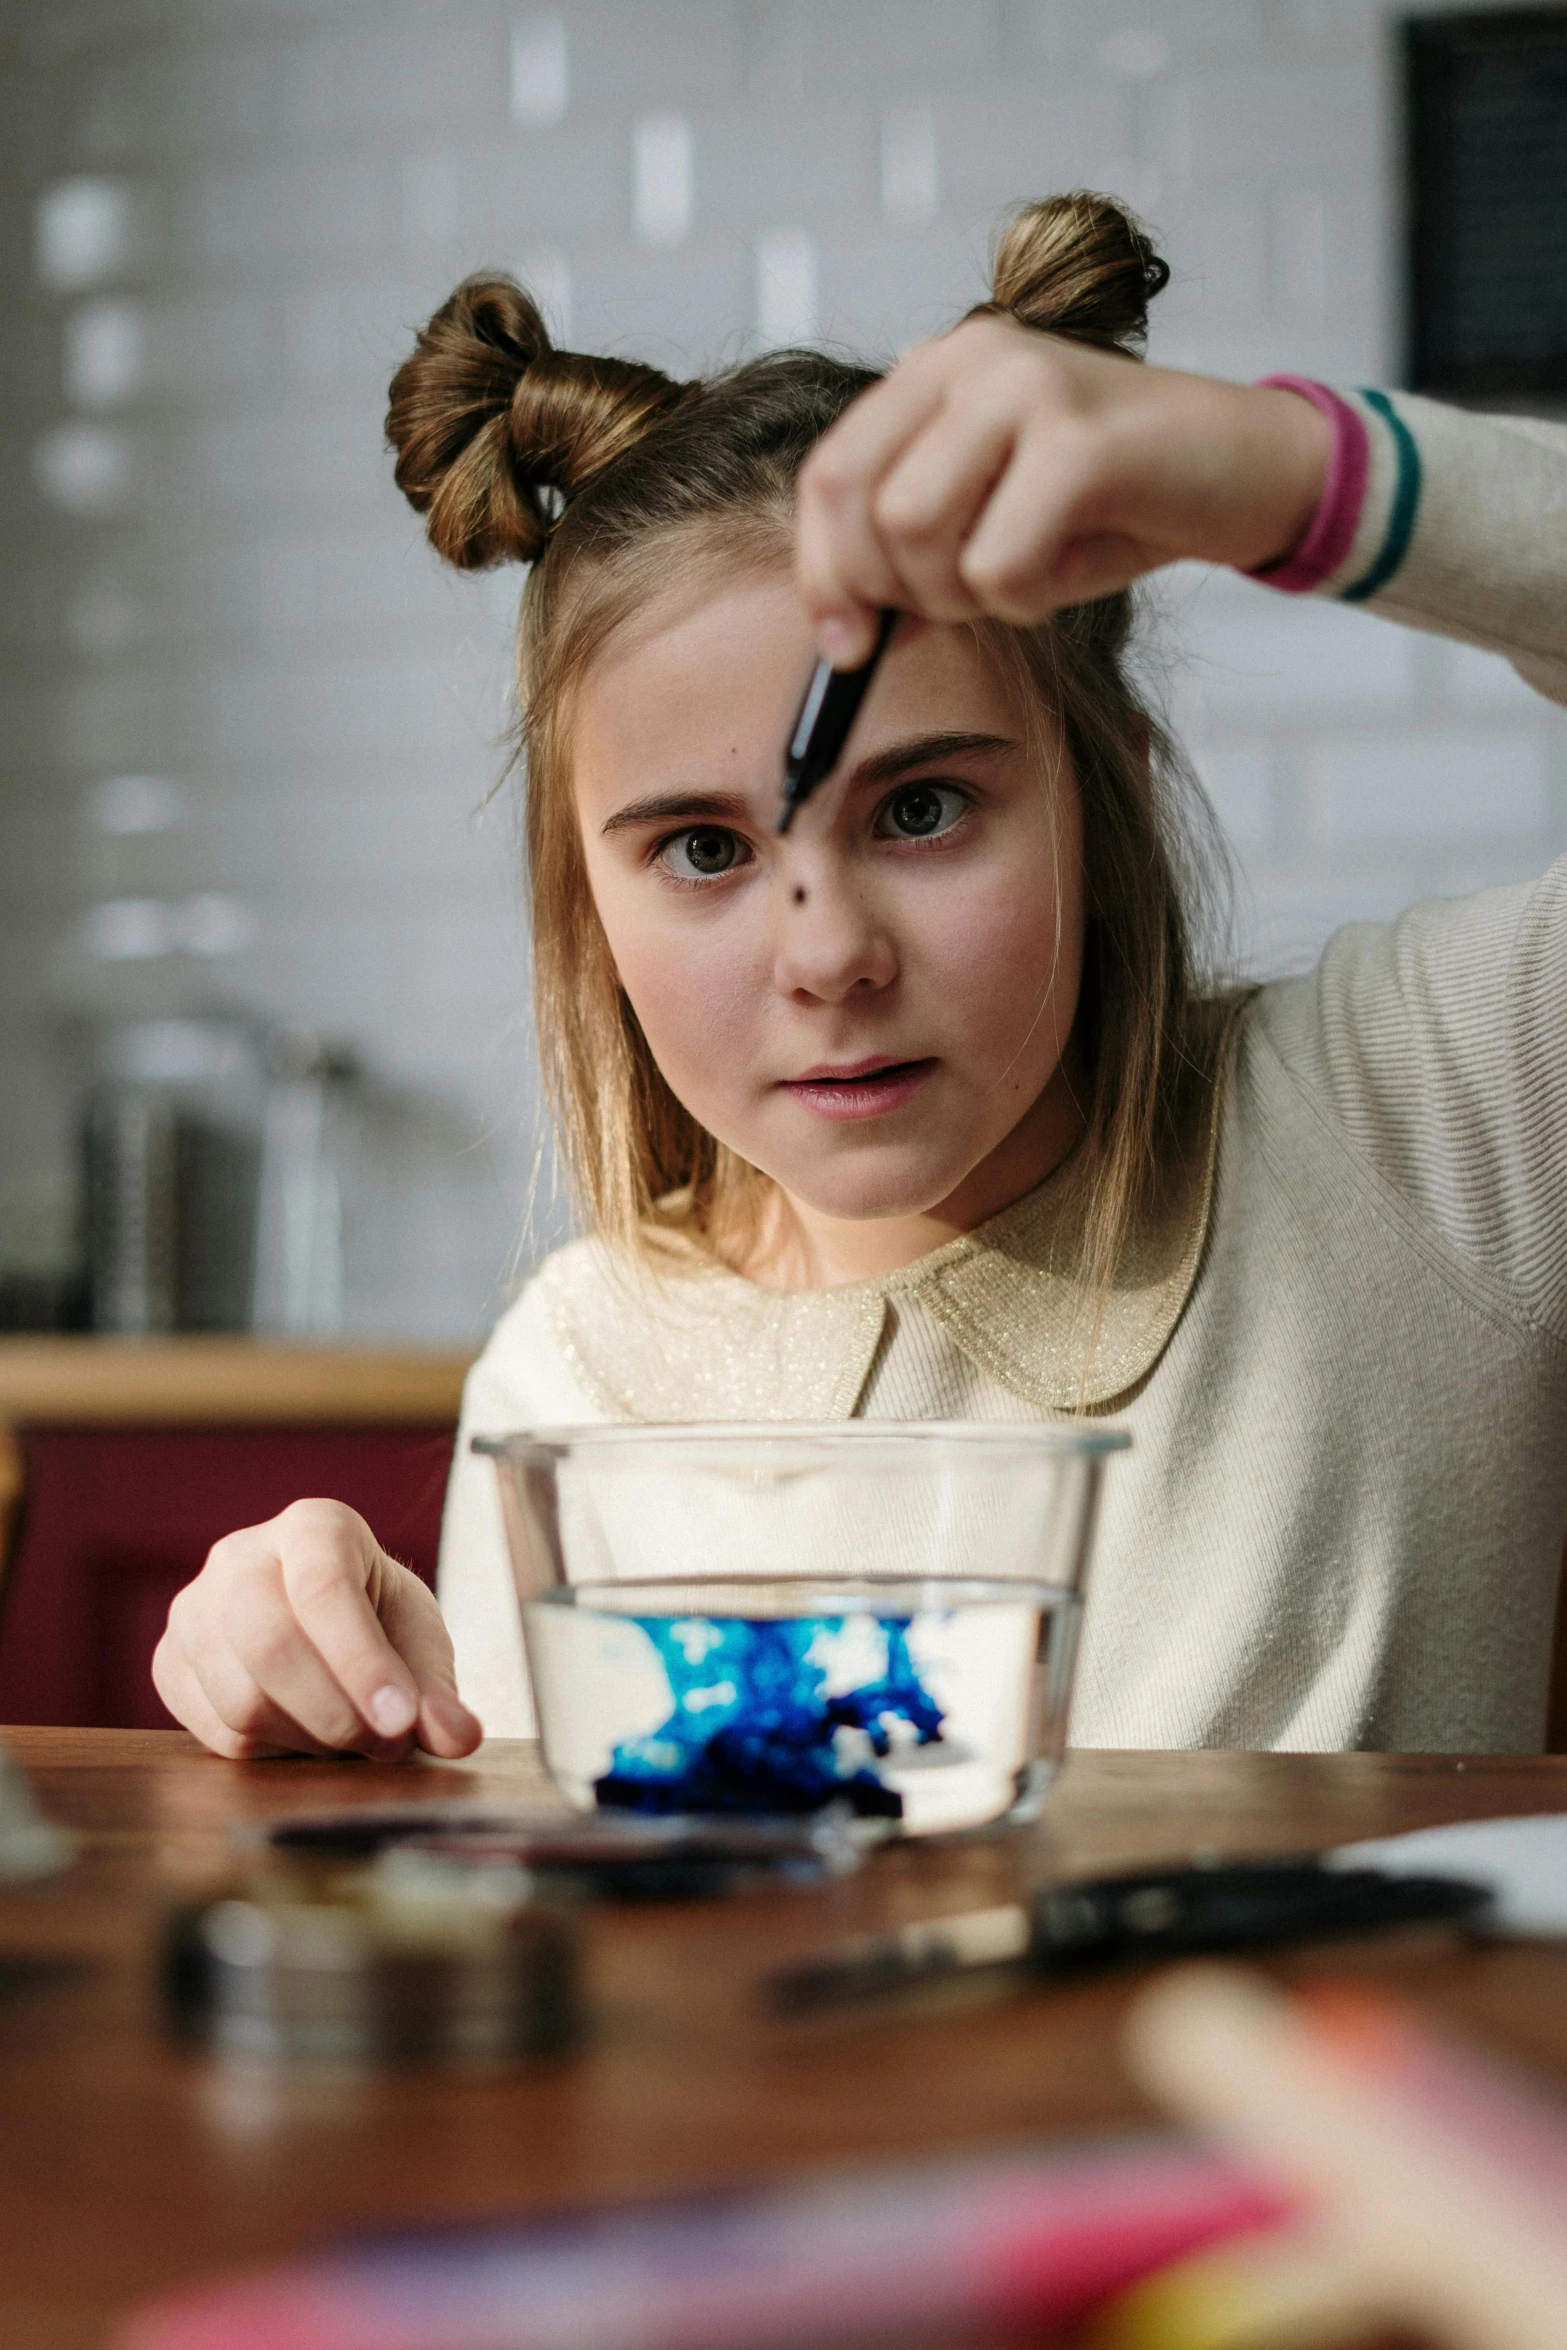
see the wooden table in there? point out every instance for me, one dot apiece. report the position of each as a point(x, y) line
point(127, 2165)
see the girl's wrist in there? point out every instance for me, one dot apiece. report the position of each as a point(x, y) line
point(1248, 464)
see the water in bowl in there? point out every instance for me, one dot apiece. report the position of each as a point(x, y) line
point(937, 1717)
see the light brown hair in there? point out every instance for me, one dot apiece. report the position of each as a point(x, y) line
point(602, 474)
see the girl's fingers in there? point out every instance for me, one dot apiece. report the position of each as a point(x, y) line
point(418, 1631)
point(238, 1699)
point(844, 572)
point(1097, 564)
point(182, 1690)
point(931, 500)
point(446, 1727)
point(1021, 561)
point(271, 1647)
point(329, 1558)
point(844, 577)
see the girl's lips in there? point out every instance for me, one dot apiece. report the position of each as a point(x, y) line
point(869, 1093)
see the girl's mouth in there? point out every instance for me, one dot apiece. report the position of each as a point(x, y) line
point(861, 1089)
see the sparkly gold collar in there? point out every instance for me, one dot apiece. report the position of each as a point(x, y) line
point(703, 1343)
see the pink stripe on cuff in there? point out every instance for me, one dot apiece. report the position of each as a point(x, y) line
point(1331, 531)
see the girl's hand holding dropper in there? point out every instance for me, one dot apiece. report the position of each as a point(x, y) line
point(1002, 472)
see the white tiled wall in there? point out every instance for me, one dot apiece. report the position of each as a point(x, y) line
point(241, 209)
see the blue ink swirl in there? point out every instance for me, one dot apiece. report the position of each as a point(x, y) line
point(753, 1728)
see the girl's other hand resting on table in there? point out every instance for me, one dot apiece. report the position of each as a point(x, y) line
point(1003, 472)
point(302, 1636)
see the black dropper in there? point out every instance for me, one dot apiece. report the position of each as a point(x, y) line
point(822, 728)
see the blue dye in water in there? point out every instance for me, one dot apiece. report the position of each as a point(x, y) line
point(752, 1729)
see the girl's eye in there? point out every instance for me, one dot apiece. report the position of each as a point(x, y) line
point(919, 811)
point(703, 853)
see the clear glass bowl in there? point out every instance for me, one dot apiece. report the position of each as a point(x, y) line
point(772, 1618)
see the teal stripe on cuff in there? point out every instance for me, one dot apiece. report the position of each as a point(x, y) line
point(1406, 504)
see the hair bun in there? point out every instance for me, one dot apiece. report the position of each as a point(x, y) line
point(1079, 265)
point(494, 427)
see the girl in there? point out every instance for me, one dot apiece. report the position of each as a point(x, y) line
point(928, 1109)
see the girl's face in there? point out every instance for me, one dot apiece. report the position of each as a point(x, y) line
point(873, 1009)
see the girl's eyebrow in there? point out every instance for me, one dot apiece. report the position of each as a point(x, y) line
point(693, 807)
point(920, 750)
point(689, 806)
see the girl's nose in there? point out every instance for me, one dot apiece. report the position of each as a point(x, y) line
point(830, 939)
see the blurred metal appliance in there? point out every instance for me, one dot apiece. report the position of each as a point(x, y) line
point(173, 1141)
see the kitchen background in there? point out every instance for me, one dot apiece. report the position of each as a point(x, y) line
point(250, 733)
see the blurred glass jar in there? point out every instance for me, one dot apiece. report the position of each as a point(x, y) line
point(298, 1285)
point(173, 1157)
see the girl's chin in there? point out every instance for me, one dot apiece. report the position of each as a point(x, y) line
point(876, 1201)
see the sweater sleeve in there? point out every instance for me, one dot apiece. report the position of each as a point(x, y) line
point(1443, 520)
point(1436, 1045)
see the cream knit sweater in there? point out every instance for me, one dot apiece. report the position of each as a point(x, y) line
point(1343, 1359)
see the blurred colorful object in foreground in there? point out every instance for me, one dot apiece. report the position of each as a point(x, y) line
point(1032, 2238)
point(1378, 2180)
point(1435, 2181)
point(1285, 2290)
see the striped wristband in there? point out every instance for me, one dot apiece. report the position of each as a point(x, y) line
point(1365, 517)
